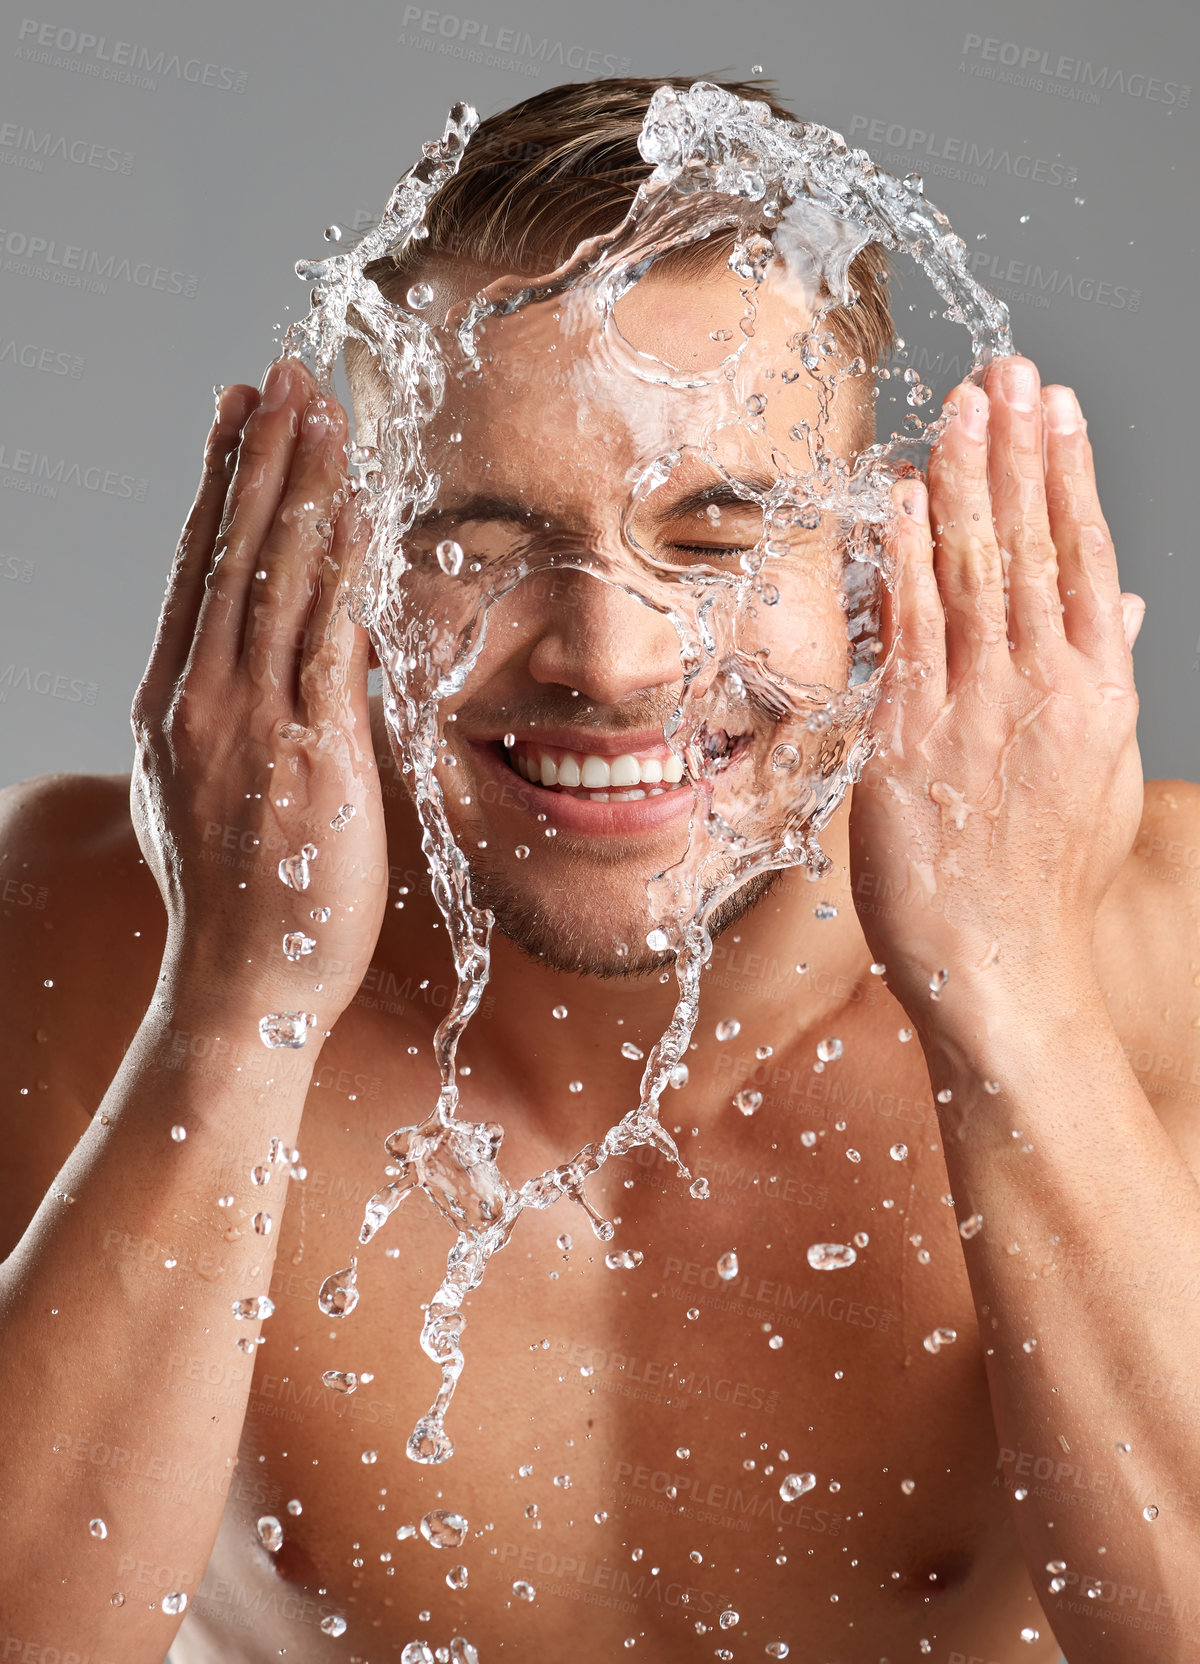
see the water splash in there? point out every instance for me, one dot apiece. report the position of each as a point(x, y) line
point(798, 204)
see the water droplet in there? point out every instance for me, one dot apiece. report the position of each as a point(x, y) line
point(416, 1652)
point(785, 758)
point(635, 1054)
point(937, 982)
point(563, 1481)
point(729, 1619)
point(970, 1226)
point(861, 1239)
point(322, 915)
point(831, 1256)
point(294, 869)
point(777, 1649)
point(1029, 1345)
point(339, 1292)
point(456, 1577)
point(829, 1050)
point(450, 557)
point(98, 1528)
point(825, 910)
point(728, 1029)
point(296, 944)
point(908, 1486)
point(1029, 1633)
point(263, 1224)
point(794, 1485)
point(254, 1306)
point(1150, 1512)
point(939, 1338)
point(340, 1380)
point(698, 1190)
point(679, 1076)
point(443, 1528)
point(333, 1625)
point(727, 1266)
point(747, 1100)
point(343, 817)
point(945, 1095)
point(178, 1134)
point(853, 1155)
point(904, 1035)
point(808, 1138)
point(284, 1029)
point(523, 1590)
point(559, 1011)
point(370, 1457)
point(1124, 1447)
point(270, 1533)
point(419, 296)
point(295, 1507)
point(116, 1598)
point(522, 852)
point(899, 1152)
point(174, 1603)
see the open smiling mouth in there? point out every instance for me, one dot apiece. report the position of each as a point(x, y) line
point(625, 778)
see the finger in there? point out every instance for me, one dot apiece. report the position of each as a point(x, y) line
point(264, 458)
point(967, 558)
point(333, 674)
point(286, 572)
point(1087, 561)
point(915, 617)
point(193, 556)
point(1017, 482)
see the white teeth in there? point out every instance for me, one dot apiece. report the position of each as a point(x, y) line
point(597, 774)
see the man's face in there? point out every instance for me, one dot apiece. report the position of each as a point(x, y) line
point(558, 781)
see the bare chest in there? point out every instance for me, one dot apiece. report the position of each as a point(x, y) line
point(691, 1435)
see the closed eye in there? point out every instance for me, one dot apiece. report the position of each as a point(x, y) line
point(713, 551)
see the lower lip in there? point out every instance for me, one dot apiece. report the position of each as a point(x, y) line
point(578, 814)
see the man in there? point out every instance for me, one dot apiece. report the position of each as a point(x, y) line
point(976, 1442)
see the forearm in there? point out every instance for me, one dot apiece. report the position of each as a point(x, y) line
point(120, 1292)
point(1086, 1275)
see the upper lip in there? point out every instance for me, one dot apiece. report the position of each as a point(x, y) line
point(587, 741)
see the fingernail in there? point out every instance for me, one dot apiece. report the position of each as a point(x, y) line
point(973, 414)
point(1062, 409)
point(1020, 385)
point(276, 386)
point(1133, 611)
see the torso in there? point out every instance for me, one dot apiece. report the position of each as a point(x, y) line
point(607, 1375)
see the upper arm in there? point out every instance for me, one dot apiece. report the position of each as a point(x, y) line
point(72, 971)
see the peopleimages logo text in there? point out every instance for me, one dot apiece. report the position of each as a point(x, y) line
point(480, 35)
point(1059, 67)
point(41, 39)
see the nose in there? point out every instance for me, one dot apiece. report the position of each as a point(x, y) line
point(603, 642)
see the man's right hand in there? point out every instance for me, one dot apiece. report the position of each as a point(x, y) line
point(251, 722)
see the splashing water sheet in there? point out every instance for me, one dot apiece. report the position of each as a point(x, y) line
point(766, 736)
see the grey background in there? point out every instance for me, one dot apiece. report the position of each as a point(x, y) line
point(248, 128)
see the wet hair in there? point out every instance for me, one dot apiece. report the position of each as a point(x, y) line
point(538, 179)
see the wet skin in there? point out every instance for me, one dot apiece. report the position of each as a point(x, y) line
point(851, 1395)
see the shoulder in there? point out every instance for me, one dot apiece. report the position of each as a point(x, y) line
point(81, 937)
point(1148, 947)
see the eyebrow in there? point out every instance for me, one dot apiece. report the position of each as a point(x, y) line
point(495, 508)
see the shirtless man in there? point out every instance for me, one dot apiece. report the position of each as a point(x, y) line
point(622, 1433)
